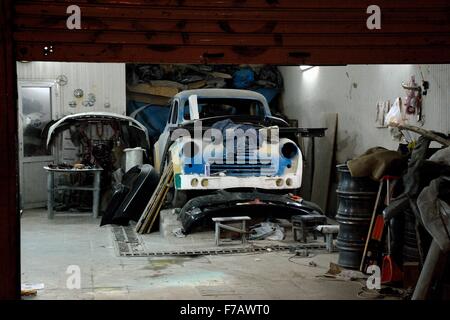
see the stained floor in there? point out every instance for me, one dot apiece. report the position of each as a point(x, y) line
point(51, 247)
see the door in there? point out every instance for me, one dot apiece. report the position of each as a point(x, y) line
point(36, 104)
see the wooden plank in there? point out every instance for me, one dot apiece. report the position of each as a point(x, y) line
point(308, 169)
point(242, 14)
point(147, 98)
point(324, 154)
point(151, 211)
point(196, 39)
point(254, 27)
point(304, 4)
point(234, 55)
point(145, 88)
point(9, 204)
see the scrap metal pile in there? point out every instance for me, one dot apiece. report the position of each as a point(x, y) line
point(409, 228)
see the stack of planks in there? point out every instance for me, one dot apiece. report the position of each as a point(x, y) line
point(151, 211)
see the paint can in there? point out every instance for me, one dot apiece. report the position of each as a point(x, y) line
point(133, 157)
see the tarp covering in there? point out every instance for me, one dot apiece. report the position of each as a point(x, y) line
point(153, 117)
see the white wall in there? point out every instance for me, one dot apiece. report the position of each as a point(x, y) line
point(353, 92)
point(105, 80)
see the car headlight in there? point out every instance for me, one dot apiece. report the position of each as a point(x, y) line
point(190, 149)
point(289, 150)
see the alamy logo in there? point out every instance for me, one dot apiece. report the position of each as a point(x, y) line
point(74, 279)
point(374, 280)
point(374, 20)
point(231, 146)
point(74, 20)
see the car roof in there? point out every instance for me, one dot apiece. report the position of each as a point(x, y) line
point(221, 93)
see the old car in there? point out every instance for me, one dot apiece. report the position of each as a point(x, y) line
point(198, 142)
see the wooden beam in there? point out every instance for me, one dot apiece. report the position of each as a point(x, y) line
point(148, 13)
point(229, 55)
point(9, 204)
point(232, 27)
point(286, 4)
point(210, 39)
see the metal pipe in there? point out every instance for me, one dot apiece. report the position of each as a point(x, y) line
point(428, 272)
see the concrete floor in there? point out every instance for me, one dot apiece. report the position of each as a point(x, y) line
point(49, 247)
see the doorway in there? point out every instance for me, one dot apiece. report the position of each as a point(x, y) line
point(37, 102)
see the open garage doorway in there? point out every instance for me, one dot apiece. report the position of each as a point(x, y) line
point(278, 33)
point(98, 249)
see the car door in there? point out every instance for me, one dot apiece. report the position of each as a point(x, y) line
point(163, 143)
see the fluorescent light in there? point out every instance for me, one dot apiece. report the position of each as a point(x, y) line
point(304, 67)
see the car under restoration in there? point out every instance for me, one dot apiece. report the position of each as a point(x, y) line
point(228, 152)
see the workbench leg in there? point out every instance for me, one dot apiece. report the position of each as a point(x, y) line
point(96, 195)
point(217, 234)
point(329, 239)
point(244, 235)
point(50, 194)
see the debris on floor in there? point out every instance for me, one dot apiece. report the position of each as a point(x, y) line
point(266, 230)
point(178, 232)
point(384, 293)
point(31, 289)
point(339, 273)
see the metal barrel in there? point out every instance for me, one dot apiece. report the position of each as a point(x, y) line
point(356, 199)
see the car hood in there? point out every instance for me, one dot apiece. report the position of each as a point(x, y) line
point(64, 123)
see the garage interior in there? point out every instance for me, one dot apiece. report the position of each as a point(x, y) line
point(352, 203)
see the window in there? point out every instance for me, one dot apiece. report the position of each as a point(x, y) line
point(174, 116)
point(36, 113)
point(222, 107)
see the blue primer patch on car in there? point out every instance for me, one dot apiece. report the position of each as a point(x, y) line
point(283, 165)
point(194, 168)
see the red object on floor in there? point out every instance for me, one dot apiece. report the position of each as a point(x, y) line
point(390, 272)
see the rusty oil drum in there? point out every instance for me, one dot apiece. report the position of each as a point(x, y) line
point(356, 199)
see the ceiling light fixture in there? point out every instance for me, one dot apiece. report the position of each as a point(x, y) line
point(304, 67)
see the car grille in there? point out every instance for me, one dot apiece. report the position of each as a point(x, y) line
point(243, 163)
point(245, 170)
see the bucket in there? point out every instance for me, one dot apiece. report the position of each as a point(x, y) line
point(133, 157)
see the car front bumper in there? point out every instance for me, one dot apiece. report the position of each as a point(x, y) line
point(201, 182)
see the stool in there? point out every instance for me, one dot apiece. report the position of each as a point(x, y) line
point(329, 231)
point(220, 225)
point(307, 224)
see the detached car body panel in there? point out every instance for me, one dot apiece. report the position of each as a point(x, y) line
point(198, 211)
point(136, 132)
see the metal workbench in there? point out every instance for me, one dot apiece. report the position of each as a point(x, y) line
point(52, 187)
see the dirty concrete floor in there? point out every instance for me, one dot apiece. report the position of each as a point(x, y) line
point(49, 247)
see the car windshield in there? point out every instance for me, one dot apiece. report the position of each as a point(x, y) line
point(217, 107)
